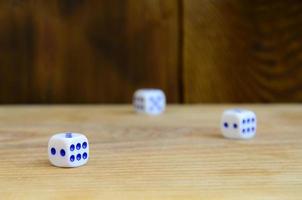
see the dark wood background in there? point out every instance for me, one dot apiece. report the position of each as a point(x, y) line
point(100, 51)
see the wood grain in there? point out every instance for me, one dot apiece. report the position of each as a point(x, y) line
point(76, 51)
point(87, 51)
point(16, 52)
point(242, 51)
point(178, 155)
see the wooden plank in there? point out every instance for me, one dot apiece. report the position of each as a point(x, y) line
point(242, 51)
point(178, 155)
point(16, 52)
point(90, 51)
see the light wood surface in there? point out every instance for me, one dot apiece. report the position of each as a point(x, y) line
point(179, 155)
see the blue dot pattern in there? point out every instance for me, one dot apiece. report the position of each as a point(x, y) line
point(53, 151)
point(239, 123)
point(250, 122)
point(139, 103)
point(156, 104)
point(78, 156)
point(62, 152)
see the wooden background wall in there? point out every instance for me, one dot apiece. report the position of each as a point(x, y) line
point(80, 51)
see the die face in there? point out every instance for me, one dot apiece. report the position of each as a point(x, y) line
point(66, 150)
point(238, 124)
point(150, 101)
point(139, 102)
point(57, 152)
point(155, 103)
point(248, 125)
point(230, 125)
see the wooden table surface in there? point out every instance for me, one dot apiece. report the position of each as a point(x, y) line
point(178, 155)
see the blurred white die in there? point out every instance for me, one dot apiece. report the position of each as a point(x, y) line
point(68, 149)
point(149, 101)
point(238, 124)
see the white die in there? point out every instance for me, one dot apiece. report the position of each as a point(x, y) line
point(238, 124)
point(149, 101)
point(68, 149)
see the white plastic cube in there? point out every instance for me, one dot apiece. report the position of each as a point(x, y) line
point(238, 124)
point(68, 150)
point(149, 101)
